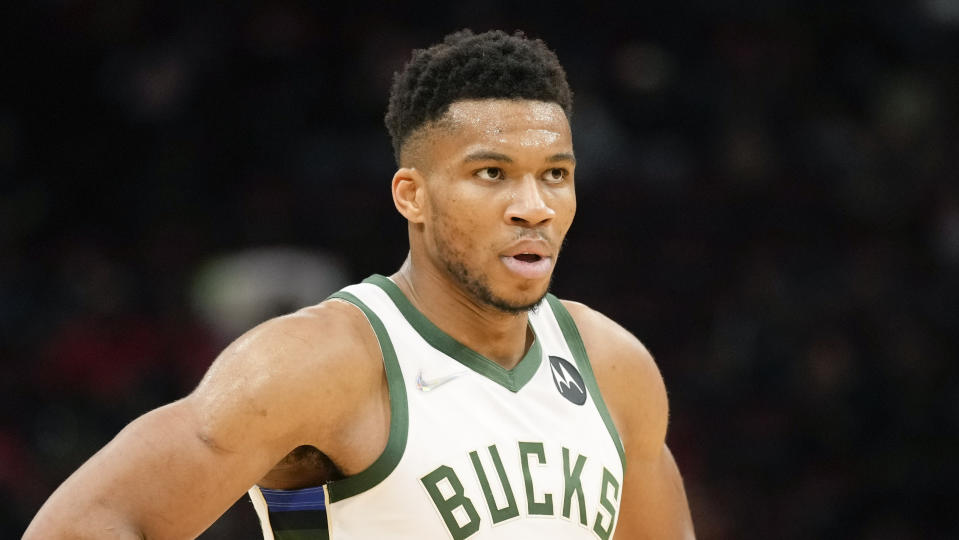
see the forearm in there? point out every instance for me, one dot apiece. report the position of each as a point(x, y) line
point(156, 479)
point(85, 506)
point(57, 523)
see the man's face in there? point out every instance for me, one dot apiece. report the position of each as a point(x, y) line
point(500, 198)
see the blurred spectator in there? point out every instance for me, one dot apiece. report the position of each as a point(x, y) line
point(236, 292)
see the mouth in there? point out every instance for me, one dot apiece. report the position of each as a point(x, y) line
point(528, 265)
point(527, 257)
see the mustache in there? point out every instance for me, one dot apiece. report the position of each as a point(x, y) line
point(532, 235)
point(527, 234)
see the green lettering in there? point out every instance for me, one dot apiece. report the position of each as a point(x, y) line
point(533, 507)
point(608, 480)
point(446, 506)
point(572, 482)
point(498, 514)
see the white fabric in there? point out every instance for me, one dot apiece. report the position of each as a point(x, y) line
point(471, 412)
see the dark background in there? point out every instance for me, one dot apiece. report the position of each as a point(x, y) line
point(768, 199)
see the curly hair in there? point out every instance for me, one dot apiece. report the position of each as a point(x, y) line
point(472, 66)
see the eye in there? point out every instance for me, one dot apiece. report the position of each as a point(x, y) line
point(491, 173)
point(555, 175)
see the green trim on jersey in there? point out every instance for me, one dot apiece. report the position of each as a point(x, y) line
point(302, 534)
point(399, 415)
point(511, 379)
point(575, 342)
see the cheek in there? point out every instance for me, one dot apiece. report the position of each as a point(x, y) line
point(462, 234)
point(571, 204)
point(564, 204)
point(453, 230)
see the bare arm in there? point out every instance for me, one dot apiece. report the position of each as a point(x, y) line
point(157, 479)
point(654, 504)
point(175, 470)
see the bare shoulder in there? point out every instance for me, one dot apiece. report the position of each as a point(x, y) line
point(277, 377)
point(628, 377)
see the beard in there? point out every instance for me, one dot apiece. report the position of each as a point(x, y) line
point(477, 286)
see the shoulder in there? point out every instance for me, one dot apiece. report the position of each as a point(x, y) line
point(283, 374)
point(628, 378)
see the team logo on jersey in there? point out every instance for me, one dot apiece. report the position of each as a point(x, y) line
point(568, 380)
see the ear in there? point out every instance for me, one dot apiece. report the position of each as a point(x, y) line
point(409, 193)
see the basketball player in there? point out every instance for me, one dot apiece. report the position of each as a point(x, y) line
point(452, 399)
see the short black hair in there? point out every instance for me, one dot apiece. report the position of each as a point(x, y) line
point(465, 65)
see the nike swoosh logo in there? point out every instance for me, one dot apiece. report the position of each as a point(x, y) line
point(429, 385)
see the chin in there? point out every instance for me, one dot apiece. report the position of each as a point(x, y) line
point(502, 293)
point(520, 301)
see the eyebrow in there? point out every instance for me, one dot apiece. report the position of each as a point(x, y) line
point(486, 155)
point(563, 156)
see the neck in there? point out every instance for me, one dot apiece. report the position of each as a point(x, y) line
point(502, 337)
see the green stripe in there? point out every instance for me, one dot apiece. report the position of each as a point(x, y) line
point(302, 534)
point(298, 519)
point(399, 415)
point(511, 379)
point(575, 342)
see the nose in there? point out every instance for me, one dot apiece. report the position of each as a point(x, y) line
point(527, 206)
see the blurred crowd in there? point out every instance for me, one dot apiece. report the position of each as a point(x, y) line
point(768, 198)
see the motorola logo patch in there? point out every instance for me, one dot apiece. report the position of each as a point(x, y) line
point(568, 380)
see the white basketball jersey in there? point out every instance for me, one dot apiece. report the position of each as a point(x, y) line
point(475, 450)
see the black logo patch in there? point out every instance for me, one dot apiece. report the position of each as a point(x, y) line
point(568, 380)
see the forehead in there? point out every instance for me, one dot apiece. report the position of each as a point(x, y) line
point(502, 123)
point(491, 116)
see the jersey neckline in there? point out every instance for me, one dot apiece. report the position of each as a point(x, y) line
point(511, 379)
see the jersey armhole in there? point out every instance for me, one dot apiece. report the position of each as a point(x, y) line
point(291, 514)
point(262, 512)
point(575, 342)
point(338, 490)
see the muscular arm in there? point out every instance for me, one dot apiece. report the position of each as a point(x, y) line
point(173, 471)
point(654, 504)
